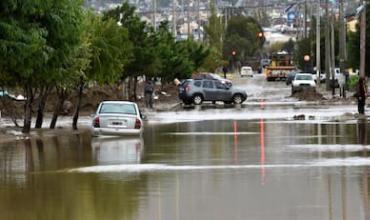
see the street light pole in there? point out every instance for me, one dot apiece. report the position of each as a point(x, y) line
point(332, 47)
point(318, 61)
point(363, 41)
point(342, 38)
point(327, 46)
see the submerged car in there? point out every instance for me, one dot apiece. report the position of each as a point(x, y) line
point(200, 90)
point(302, 81)
point(116, 118)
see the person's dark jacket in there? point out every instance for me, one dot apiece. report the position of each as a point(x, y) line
point(148, 88)
point(361, 90)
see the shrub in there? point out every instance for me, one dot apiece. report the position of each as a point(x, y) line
point(352, 81)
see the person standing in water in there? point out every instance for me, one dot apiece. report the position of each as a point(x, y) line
point(361, 93)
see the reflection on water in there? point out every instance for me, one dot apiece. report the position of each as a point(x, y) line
point(237, 169)
point(117, 150)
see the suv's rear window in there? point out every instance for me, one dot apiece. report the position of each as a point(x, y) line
point(118, 108)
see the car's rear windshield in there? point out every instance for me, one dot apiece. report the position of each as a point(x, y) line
point(303, 77)
point(118, 108)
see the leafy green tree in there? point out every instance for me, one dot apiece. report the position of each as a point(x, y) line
point(178, 59)
point(196, 52)
point(214, 34)
point(144, 59)
point(303, 48)
point(65, 30)
point(213, 61)
point(288, 46)
point(107, 48)
point(37, 40)
point(214, 30)
point(243, 37)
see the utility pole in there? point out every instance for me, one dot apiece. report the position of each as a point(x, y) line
point(174, 32)
point(318, 61)
point(332, 47)
point(363, 40)
point(226, 16)
point(342, 38)
point(327, 46)
point(188, 20)
point(305, 19)
point(154, 14)
point(297, 22)
point(198, 19)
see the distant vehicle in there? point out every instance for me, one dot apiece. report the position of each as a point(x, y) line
point(337, 76)
point(302, 81)
point(322, 77)
point(246, 71)
point(280, 66)
point(214, 76)
point(278, 72)
point(116, 118)
point(197, 91)
point(290, 78)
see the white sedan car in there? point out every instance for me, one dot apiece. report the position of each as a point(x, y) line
point(246, 71)
point(117, 118)
point(302, 81)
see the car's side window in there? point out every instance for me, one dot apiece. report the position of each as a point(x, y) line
point(198, 83)
point(208, 84)
point(220, 85)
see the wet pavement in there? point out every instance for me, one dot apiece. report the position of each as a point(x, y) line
point(253, 162)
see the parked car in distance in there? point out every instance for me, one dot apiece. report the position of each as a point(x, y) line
point(117, 118)
point(214, 76)
point(199, 90)
point(290, 78)
point(246, 71)
point(337, 75)
point(302, 81)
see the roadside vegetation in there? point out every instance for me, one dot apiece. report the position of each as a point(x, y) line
point(59, 46)
point(307, 45)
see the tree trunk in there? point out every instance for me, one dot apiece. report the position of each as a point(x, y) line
point(41, 107)
point(78, 104)
point(129, 88)
point(327, 47)
point(135, 88)
point(28, 110)
point(58, 107)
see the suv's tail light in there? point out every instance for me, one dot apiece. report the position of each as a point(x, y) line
point(96, 122)
point(137, 124)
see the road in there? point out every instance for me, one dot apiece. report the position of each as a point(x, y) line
point(252, 162)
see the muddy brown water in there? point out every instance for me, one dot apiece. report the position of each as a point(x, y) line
point(245, 169)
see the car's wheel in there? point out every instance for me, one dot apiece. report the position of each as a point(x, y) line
point(238, 99)
point(197, 99)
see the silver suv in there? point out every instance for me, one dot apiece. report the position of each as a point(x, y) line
point(198, 90)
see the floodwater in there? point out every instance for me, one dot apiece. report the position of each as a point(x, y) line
point(233, 168)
